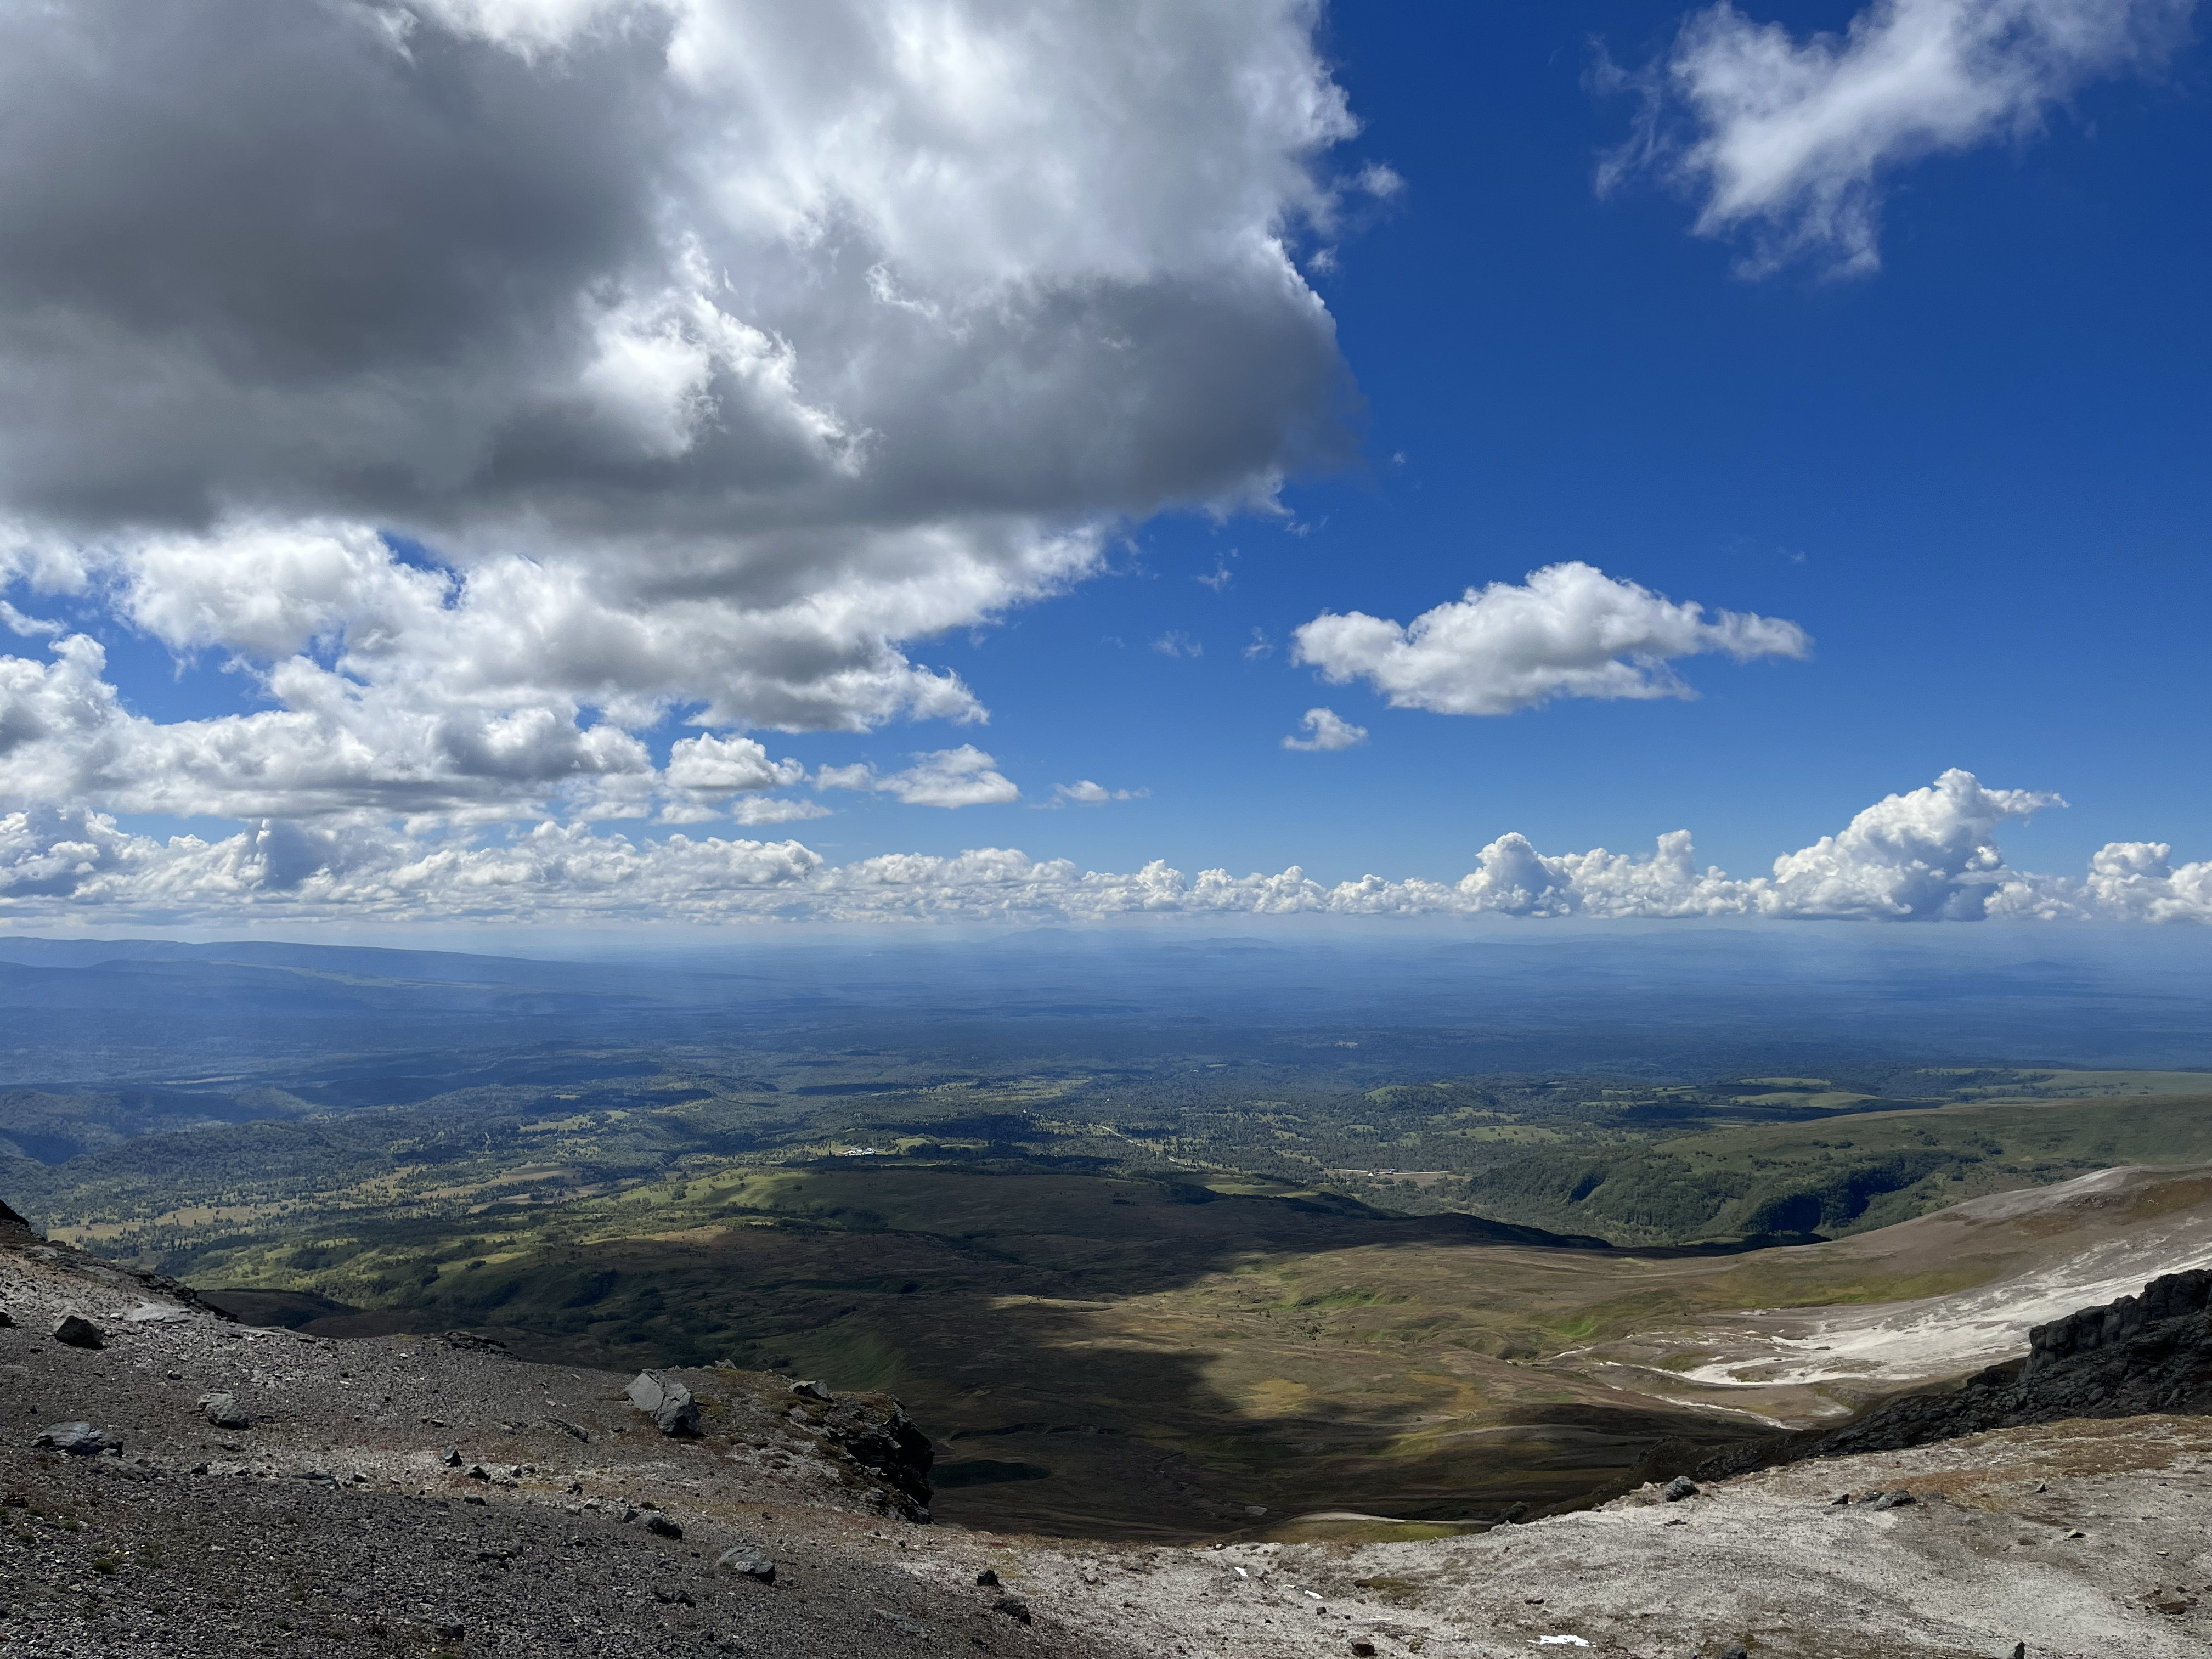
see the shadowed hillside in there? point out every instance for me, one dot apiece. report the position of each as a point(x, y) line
point(1130, 1356)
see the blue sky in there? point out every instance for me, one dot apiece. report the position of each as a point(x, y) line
point(1977, 478)
point(1974, 475)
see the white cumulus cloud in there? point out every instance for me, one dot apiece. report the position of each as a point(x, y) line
point(715, 765)
point(1084, 793)
point(487, 381)
point(1569, 631)
point(1793, 140)
point(1326, 730)
point(965, 776)
point(1927, 854)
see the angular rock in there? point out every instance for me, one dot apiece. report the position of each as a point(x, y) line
point(988, 1578)
point(77, 1332)
point(876, 1433)
point(813, 1390)
point(666, 1401)
point(79, 1440)
point(224, 1412)
point(750, 1558)
point(1679, 1487)
point(450, 1458)
point(7, 1320)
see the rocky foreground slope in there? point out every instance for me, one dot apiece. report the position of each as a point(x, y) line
point(209, 1488)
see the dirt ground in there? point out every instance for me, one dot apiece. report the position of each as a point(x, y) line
point(333, 1525)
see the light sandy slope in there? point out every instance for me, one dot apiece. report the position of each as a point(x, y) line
point(2075, 1539)
point(2029, 1255)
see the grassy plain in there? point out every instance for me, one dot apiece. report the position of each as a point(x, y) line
point(1840, 1174)
point(1134, 1299)
point(1100, 1353)
point(1133, 1353)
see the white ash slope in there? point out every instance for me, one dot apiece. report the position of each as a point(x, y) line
point(2110, 1231)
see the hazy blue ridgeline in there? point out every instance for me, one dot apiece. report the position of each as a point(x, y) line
point(87, 1011)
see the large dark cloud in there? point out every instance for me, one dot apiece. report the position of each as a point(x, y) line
point(222, 219)
point(720, 349)
point(324, 259)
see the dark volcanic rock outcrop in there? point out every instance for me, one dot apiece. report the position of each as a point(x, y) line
point(2151, 1352)
point(876, 1433)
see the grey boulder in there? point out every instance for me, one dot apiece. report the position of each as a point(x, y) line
point(749, 1558)
point(1679, 1487)
point(813, 1390)
point(79, 1440)
point(224, 1412)
point(666, 1401)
